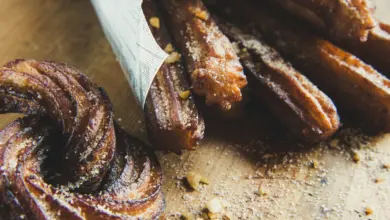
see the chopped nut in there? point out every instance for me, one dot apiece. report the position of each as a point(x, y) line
point(214, 206)
point(204, 180)
point(314, 164)
point(379, 180)
point(386, 166)
point(185, 216)
point(194, 179)
point(168, 48)
point(368, 211)
point(227, 217)
point(261, 192)
point(201, 14)
point(155, 22)
point(173, 57)
point(184, 94)
point(212, 216)
point(355, 157)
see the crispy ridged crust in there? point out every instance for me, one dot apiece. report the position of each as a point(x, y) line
point(343, 19)
point(375, 50)
point(82, 166)
point(215, 70)
point(173, 123)
point(301, 106)
point(351, 83)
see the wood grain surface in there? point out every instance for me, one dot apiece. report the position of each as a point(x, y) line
point(237, 157)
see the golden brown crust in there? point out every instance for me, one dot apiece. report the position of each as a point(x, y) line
point(215, 70)
point(375, 50)
point(301, 106)
point(82, 166)
point(342, 19)
point(351, 83)
point(173, 120)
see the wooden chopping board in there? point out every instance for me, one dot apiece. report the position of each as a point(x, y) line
point(237, 158)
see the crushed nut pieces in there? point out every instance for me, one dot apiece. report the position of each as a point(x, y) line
point(368, 211)
point(194, 179)
point(261, 192)
point(173, 57)
point(314, 164)
point(168, 48)
point(379, 180)
point(201, 14)
point(184, 94)
point(355, 157)
point(155, 22)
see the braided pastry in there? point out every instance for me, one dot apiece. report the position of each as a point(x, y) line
point(68, 159)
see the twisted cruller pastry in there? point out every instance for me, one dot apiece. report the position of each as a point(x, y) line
point(214, 68)
point(68, 159)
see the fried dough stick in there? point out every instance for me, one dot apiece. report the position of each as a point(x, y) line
point(342, 19)
point(172, 119)
point(375, 50)
point(214, 68)
point(300, 105)
point(352, 84)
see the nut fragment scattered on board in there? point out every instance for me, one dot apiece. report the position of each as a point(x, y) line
point(386, 166)
point(186, 216)
point(168, 48)
point(173, 57)
point(194, 179)
point(368, 211)
point(155, 22)
point(212, 216)
point(261, 192)
point(314, 164)
point(214, 206)
point(379, 180)
point(227, 217)
point(355, 157)
point(184, 94)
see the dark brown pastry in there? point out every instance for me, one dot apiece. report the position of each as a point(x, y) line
point(172, 119)
point(352, 84)
point(214, 68)
point(343, 19)
point(69, 160)
point(290, 96)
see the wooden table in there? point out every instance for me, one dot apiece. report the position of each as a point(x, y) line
point(236, 158)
